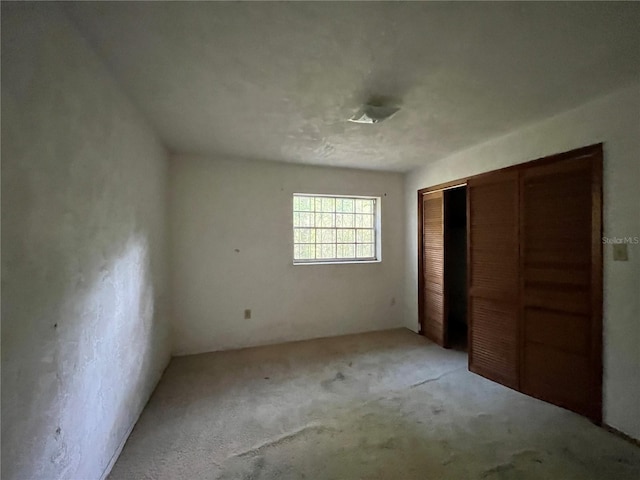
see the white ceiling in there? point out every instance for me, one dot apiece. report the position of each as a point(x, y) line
point(277, 81)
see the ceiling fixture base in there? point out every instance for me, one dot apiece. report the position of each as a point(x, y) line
point(370, 114)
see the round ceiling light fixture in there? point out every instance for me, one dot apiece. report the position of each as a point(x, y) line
point(372, 112)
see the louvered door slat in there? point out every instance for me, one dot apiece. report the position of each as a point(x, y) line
point(433, 324)
point(493, 277)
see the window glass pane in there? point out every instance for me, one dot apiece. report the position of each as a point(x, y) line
point(326, 251)
point(303, 219)
point(328, 204)
point(364, 221)
point(304, 235)
point(345, 205)
point(346, 236)
point(365, 236)
point(364, 206)
point(325, 220)
point(304, 252)
point(304, 204)
point(329, 251)
point(326, 235)
point(345, 220)
point(364, 250)
point(346, 251)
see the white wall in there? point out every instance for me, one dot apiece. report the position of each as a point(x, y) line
point(84, 321)
point(614, 120)
point(232, 250)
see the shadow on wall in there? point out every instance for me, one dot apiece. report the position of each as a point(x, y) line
point(83, 275)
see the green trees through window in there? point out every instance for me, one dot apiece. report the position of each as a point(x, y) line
point(334, 228)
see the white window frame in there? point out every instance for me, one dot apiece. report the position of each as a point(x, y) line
point(377, 229)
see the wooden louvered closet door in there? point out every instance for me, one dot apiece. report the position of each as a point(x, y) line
point(493, 260)
point(433, 308)
point(561, 253)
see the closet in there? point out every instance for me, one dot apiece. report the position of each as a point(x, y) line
point(444, 253)
point(534, 276)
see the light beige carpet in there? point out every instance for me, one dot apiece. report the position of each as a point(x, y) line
point(384, 405)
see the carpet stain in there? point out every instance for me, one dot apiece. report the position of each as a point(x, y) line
point(499, 471)
point(339, 377)
point(283, 439)
point(435, 379)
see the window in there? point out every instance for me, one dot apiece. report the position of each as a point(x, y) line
point(335, 229)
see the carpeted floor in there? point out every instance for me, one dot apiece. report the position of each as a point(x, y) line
point(384, 405)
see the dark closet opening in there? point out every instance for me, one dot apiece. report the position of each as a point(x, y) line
point(455, 266)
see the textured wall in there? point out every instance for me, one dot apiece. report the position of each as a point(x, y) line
point(84, 322)
point(614, 120)
point(232, 249)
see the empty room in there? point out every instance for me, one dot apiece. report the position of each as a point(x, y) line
point(320, 240)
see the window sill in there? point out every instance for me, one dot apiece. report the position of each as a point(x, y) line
point(349, 262)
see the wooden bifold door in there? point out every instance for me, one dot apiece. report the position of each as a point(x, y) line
point(561, 285)
point(534, 273)
point(493, 259)
point(433, 325)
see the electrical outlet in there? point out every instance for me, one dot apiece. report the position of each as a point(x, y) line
point(247, 314)
point(620, 253)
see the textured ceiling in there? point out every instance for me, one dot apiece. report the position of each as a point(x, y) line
point(277, 81)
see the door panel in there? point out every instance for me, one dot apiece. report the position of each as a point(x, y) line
point(493, 347)
point(563, 331)
point(493, 276)
point(433, 308)
point(558, 362)
point(547, 370)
